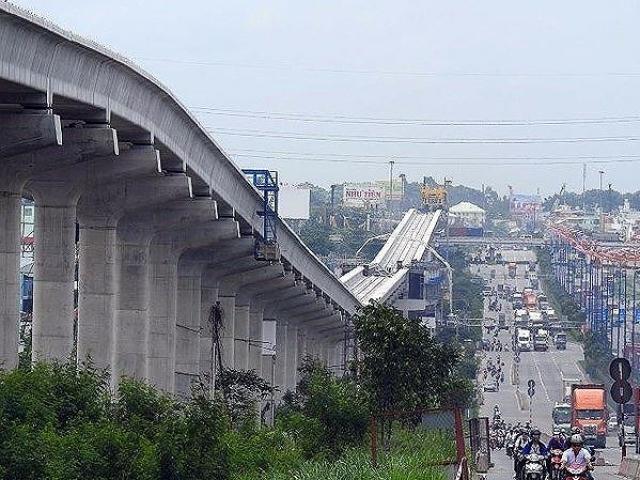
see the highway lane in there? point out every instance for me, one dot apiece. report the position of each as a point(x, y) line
point(546, 368)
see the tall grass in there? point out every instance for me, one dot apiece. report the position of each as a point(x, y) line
point(411, 457)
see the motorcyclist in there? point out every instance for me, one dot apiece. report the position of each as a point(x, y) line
point(534, 445)
point(522, 438)
point(556, 442)
point(577, 457)
point(567, 442)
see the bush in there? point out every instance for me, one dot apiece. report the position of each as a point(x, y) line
point(327, 414)
point(58, 422)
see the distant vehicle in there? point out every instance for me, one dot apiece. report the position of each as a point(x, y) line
point(502, 321)
point(486, 291)
point(530, 300)
point(535, 317)
point(567, 384)
point(523, 339)
point(491, 386)
point(561, 417)
point(560, 341)
point(589, 413)
point(540, 341)
point(492, 274)
point(512, 269)
point(535, 283)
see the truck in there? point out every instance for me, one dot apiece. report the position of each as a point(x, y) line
point(530, 300)
point(589, 412)
point(523, 339)
point(561, 417)
point(512, 269)
point(540, 343)
point(560, 341)
point(567, 384)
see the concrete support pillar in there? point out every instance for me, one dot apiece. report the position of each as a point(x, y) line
point(241, 337)
point(96, 293)
point(291, 365)
point(163, 278)
point(131, 327)
point(54, 273)
point(281, 356)
point(228, 304)
point(188, 322)
point(255, 340)
point(9, 277)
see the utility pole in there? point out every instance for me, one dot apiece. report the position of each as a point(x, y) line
point(391, 162)
point(584, 184)
point(601, 172)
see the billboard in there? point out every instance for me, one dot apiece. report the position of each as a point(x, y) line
point(362, 195)
point(525, 204)
point(397, 189)
point(294, 202)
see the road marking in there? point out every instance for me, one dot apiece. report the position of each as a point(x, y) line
point(553, 358)
point(544, 387)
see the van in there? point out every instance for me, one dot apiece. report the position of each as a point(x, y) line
point(523, 339)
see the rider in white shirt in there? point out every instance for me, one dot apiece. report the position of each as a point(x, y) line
point(577, 457)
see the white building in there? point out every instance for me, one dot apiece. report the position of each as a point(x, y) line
point(466, 214)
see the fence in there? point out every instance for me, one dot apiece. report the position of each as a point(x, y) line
point(479, 443)
point(424, 438)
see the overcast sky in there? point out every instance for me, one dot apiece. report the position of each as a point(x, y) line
point(380, 73)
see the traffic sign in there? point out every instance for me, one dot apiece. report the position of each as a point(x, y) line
point(531, 392)
point(621, 391)
point(620, 369)
point(531, 383)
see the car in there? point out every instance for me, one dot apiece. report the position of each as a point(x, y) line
point(491, 387)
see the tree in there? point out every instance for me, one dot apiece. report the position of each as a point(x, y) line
point(401, 365)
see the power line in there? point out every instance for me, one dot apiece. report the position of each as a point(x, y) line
point(283, 154)
point(432, 163)
point(344, 119)
point(414, 140)
point(400, 73)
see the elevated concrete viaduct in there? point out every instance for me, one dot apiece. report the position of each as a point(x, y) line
point(142, 227)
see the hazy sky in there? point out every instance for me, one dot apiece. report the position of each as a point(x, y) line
point(379, 74)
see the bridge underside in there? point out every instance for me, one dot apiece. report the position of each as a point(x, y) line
point(144, 231)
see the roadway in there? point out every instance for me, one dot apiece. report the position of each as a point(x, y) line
point(545, 368)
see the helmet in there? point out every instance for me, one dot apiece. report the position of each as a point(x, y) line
point(556, 433)
point(535, 432)
point(575, 430)
point(576, 439)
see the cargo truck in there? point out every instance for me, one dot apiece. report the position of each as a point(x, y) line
point(589, 413)
point(561, 416)
point(540, 341)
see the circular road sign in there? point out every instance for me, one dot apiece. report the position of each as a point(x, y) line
point(620, 369)
point(621, 391)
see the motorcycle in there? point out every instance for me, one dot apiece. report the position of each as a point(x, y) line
point(493, 440)
point(579, 473)
point(556, 464)
point(533, 468)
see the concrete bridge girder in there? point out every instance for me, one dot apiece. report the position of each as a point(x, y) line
point(23, 133)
